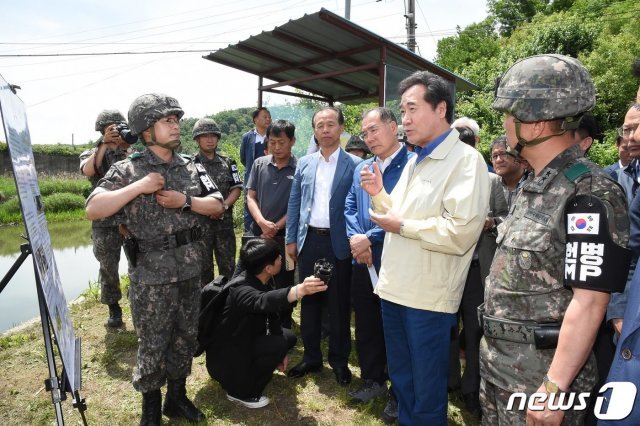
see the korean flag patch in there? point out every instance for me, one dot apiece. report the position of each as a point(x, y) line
point(583, 223)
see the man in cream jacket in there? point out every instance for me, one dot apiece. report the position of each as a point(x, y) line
point(433, 219)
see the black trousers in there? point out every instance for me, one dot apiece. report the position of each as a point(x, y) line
point(247, 375)
point(336, 298)
point(472, 297)
point(370, 345)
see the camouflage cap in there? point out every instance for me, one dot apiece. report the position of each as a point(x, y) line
point(545, 87)
point(205, 126)
point(355, 142)
point(147, 109)
point(107, 117)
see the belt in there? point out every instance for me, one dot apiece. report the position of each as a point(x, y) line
point(319, 231)
point(543, 336)
point(172, 241)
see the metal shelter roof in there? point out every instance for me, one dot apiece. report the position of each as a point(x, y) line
point(328, 56)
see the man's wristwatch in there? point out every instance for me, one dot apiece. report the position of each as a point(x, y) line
point(550, 385)
point(187, 204)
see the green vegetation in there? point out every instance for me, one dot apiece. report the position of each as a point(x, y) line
point(63, 198)
point(602, 34)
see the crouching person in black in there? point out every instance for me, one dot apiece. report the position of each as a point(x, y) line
point(249, 342)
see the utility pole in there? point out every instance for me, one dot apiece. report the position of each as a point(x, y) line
point(347, 9)
point(411, 26)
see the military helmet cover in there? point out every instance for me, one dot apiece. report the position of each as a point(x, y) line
point(355, 142)
point(205, 126)
point(145, 110)
point(544, 88)
point(107, 117)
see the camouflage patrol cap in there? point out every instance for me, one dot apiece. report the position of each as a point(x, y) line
point(147, 109)
point(108, 116)
point(544, 88)
point(205, 126)
point(355, 142)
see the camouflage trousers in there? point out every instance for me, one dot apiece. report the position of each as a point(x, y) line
point(494, 401)
point(222, 242)
point(106, 248)
point(165, 317)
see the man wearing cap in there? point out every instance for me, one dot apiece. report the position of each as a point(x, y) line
point(162, 196)
point(219, 235)
point(560, 251)
point(107, 241)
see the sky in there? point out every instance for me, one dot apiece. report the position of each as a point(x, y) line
point(64, 94)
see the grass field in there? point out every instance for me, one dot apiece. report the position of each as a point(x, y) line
point(108, 357)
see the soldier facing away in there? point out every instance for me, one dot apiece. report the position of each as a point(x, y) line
point(162, 196)
point(559, 251)
point(107, 241)
point(219, 235)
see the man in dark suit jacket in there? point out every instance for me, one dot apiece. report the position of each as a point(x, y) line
point(316, 229)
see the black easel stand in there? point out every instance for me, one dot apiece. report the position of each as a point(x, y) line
point(53, 384)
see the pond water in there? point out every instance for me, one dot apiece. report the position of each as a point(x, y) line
point(77, 267)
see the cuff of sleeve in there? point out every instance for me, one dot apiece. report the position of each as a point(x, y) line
point(378, 200)
point(410, 228)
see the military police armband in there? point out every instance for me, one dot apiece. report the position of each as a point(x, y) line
point(235, 175)
point(593, 261)
point(207, 185)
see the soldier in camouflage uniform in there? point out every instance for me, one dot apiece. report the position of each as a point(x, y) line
point(539, 288)
point(162, 196)
point(219, 233)
point(94, 163)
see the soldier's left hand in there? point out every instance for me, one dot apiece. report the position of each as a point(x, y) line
point(390, 221)
point(112, 138)
point(544, 417)
point(170, 199)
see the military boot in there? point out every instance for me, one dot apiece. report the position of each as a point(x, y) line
point(177, 405)
point(115, 315)
point(151, 415)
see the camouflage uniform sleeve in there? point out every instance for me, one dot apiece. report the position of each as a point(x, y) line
point(614, 200)
point(85, 156)
point(114, 179)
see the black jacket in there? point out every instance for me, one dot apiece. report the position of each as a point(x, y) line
point(249, 307)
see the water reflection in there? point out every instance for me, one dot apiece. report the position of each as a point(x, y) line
point(76, 265)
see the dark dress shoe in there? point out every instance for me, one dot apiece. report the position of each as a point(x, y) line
point(343, 375)
point(303, 368)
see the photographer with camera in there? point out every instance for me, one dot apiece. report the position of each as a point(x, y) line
point(94, 163)
point(249, 342)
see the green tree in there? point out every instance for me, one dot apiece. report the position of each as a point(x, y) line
point(512, 13)
point(475, 42)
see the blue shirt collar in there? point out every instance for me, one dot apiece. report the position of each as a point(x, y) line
point(424, 152)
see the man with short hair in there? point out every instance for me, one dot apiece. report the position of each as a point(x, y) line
point(587, 132)
point(161, 195)
point(316, 230)
point(379, 128)
point(252, 147)
point(629, 177)
point(94, 163)
point(623, 157)
point(510, 169)
point(432, 218)
point(268, 193)
point(470, 124)
point(560, 251)
point(219, 235)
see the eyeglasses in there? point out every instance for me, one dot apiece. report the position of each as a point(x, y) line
point(497, 155)
point(627, 132)
point(371, 131)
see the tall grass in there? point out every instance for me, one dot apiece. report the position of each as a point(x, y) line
point(63, 197)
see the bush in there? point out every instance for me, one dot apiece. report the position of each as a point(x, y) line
point(62, 202)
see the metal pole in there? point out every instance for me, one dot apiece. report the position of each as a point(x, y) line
point(347, 9)
point(411, 26)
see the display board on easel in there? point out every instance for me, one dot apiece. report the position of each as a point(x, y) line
point(16, 130)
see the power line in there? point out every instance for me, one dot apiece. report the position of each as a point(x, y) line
point(37, 55)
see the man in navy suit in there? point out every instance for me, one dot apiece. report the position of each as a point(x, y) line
point(316, 229)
